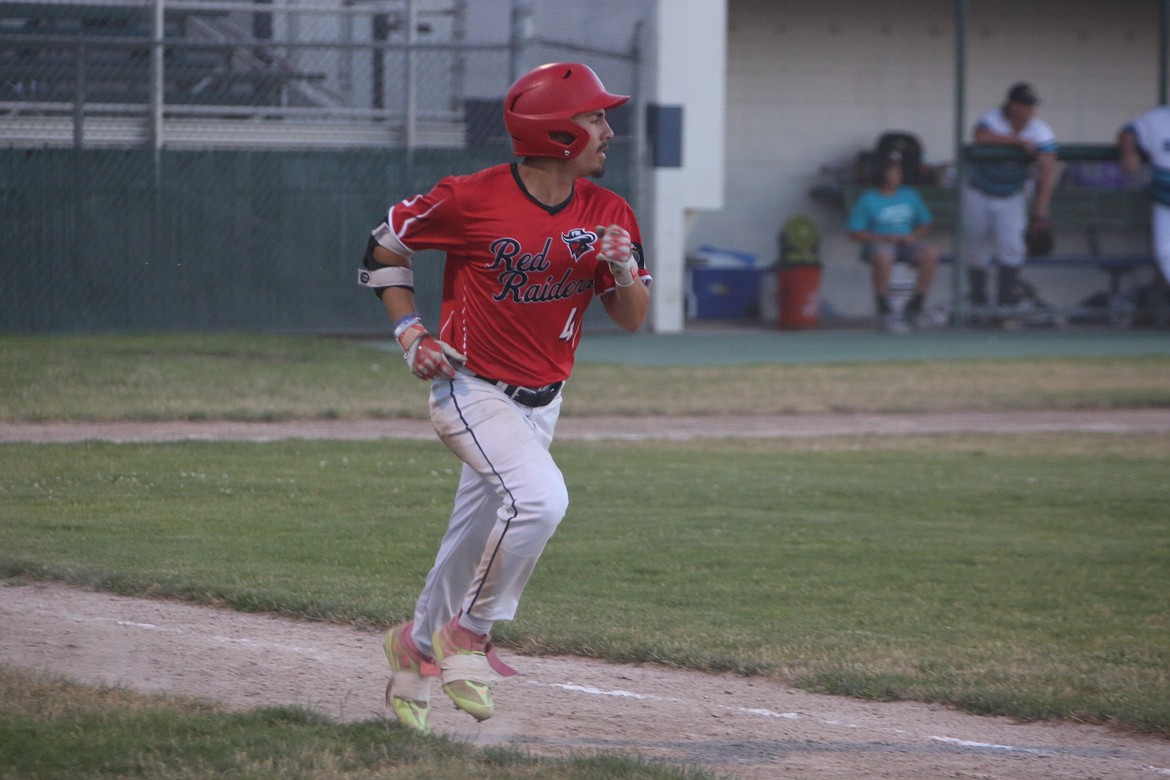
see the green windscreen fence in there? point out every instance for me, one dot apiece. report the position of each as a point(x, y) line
point(126, 240)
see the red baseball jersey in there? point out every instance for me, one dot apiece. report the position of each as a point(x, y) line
point(519, 275)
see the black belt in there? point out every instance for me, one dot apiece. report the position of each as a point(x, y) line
point(526, 396)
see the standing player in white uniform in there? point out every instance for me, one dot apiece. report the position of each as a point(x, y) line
point(528, 247)
point(1147, 139)
point(995, 198)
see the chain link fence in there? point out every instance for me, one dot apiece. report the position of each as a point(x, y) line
point(218, 165)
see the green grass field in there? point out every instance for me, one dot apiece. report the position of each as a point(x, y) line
point(1024, 576)
point(251, 377)
point(53, 729)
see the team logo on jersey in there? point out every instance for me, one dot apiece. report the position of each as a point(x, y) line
point(579, 241)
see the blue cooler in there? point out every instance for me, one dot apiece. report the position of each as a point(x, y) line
point(726, 285)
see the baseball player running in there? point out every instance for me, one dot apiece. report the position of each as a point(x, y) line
point(995, 198)
point(528, 246)
point(1147, 139)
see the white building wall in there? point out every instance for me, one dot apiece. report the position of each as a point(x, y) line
point(814, 82)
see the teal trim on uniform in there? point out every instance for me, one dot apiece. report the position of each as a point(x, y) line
point(746, 346)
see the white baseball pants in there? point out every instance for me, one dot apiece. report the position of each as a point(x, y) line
point(994, 227)
point(510, 499)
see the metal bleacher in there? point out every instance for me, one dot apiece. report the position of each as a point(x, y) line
point(86, 73)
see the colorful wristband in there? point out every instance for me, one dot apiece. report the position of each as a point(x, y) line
point(406, 322)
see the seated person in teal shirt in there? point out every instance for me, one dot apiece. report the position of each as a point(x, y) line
point(891, 221)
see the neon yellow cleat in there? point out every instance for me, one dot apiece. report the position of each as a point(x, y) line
point(408, 694)
point(468, 663)
point(462, 657)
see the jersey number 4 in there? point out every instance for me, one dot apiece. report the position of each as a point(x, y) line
point(570, 328)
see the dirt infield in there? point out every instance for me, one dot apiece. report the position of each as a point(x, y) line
point(733, 726)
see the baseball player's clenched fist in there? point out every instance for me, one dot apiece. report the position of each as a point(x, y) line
point(427, 357)
point(618, 250)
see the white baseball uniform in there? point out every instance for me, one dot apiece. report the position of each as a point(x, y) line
point(995, 197)
point(1152, 130)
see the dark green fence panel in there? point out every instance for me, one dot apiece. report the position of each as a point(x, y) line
point(110, 240)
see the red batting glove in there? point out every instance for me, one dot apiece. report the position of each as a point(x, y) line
point(618, 250)
point(427, 357)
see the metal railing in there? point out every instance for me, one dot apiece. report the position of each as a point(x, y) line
point(216, 74)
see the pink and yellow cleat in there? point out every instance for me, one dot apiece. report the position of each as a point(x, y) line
point(468, 663)
point(408, 695)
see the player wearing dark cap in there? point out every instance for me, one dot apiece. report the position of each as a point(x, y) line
point(998, 207)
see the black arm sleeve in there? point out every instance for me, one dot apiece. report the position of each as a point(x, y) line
point(370, 264)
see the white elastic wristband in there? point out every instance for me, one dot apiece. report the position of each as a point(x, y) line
point(630, 265)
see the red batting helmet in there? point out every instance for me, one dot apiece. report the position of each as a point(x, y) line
point(545, 100)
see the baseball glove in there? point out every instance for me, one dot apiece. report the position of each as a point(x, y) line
point(1038, 237)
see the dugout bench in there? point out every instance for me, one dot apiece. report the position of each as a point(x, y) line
point(1095, 212)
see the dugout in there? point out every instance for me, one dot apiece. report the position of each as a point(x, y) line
point(812, 87)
